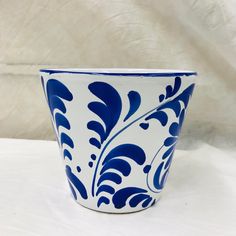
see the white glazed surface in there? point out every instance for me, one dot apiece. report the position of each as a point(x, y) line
point(79, 115)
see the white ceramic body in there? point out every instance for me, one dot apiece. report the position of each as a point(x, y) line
point(117, 131)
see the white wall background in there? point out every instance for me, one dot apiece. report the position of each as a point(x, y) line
point(181, 34)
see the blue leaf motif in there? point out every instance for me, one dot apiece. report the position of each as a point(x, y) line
point(169, 141)
point(131, 151)
point(146, 202)
point(57, 89)
point(120, 198)
point(118, 159)
point(162, 170)
point(98, 128)
point(76, 183)
point(95, 142)
point(185, 95)
point(57, 103)
point(56, 94)
point(161, 97)
point(158, 179)
point(104, 200)
point(177, 86)
point(102, 111)
point(61, 120)
point(144, 125)
point(170, 92)
point(67, 154)
point(106, 189)
point(168, 152)
point(169, 160)
point(65, 139)
point(134, 103)
point(117, 164)
point(110, 108)
point(113, 177)
point(137, 199)
point(174, 106)
point(160, 116)
point(174, 129)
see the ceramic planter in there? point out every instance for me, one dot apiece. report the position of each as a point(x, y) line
point(117, 130)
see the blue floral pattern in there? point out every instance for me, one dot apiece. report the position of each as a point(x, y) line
point(178, 105)
point(56, 93)
point(112, 163)
point(109, 110)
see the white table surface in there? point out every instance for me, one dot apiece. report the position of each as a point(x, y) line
point(199, 197)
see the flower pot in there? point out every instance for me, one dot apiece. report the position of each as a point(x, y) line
point(117, 130)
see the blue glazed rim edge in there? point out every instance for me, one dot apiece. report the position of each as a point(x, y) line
point(108, 72)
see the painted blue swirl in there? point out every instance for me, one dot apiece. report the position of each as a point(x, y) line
point(160, 116)
point(110, 176)
point(56, 94)
point(171, 91)
point(118, 159)
point(74, 181)
point(112, 166)
point(57, 91)
point(61, 121)
point(120, 198)
point(119, 165)
point(162, 170)
point(131, 151)
point(67, 154)
point(65, 139)
point(108, 110)
point(134, 103)
point(104, 200)
point(106, 189)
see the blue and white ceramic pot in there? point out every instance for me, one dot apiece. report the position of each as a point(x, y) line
point(117, 130)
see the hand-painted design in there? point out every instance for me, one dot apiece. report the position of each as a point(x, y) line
point(139, 195)
point(118, 159)
point(104, 200)
point(162, 170)
point(90, 164)
point(67, 154)
point(134, 103)
point(65, 139)
point(160, 115)
point(116, 164)
point(74, 182)
point(108, 110)
point(78, 168)
point(56, 93)
point(178, 105)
